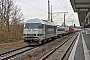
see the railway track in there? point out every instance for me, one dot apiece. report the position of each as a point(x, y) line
point(19, 53)
point(64, 55)
point(12, 54)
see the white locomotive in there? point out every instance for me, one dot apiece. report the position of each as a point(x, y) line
point(37, 31)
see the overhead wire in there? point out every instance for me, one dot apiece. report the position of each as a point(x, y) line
point(69, 16)
point(66, 5)
point(56, 5)
point(33, 6)
point(39, 3)
point(62, 5)
point(67, 9)
point(55, 16)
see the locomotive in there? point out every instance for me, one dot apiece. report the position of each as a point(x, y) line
point(37, 31)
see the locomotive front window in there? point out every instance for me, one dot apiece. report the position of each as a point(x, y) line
point(33, 26)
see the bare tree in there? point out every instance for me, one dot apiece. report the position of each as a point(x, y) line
point(10, 16)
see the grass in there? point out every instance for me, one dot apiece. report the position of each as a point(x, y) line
point(9, 42)
point(11, 45)
point(7, 39)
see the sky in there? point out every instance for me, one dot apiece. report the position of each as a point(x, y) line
point(39, 9)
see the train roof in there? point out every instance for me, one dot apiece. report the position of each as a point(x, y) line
point(37, 20)
point(62, 27)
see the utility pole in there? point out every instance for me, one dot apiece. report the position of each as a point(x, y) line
point(48, 10)
point(64, 15)
point(51, 13)
point(64, 19)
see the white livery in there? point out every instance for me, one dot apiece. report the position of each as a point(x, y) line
point(37, 31)
point(61, 31)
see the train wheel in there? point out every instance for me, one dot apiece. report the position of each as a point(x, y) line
point(42, 42)
point(48, 39)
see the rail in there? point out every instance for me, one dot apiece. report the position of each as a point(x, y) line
point(54, 49)
point(13, 53)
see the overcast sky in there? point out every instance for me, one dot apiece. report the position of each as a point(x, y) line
point(38, 9)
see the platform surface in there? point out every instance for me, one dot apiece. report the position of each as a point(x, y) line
point(81, 49)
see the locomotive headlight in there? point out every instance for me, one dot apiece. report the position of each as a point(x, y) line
point(36, 34)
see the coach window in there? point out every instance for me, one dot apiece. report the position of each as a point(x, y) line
point(60, 29)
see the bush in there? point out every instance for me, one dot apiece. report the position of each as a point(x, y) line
point(6, 39)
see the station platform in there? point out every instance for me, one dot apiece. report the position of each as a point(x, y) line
point(81, 49)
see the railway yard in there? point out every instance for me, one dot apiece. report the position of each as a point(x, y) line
point(54, 50)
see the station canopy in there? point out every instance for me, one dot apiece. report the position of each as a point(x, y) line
point(82, 7)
